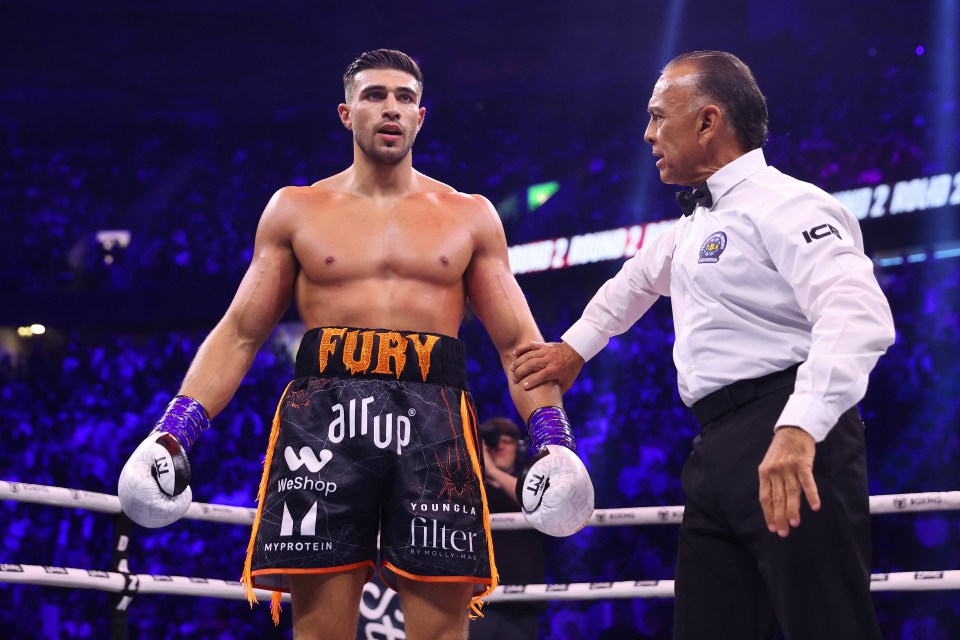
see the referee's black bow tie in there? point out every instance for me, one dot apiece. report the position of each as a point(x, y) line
point(690, 199)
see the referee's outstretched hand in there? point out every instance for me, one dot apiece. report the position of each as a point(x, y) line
point(786, 470)
point(539, 362)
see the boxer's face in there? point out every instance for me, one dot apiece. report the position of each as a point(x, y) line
point(673, 128)
point(384, 114)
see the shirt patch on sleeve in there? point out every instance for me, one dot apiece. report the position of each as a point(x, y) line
point(820, 231)
point(712, 247)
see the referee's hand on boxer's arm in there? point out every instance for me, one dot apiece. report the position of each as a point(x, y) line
point(786, 471)
point(539, 362)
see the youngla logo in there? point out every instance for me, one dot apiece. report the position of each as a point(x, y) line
point(443, 508)
point(820, 231)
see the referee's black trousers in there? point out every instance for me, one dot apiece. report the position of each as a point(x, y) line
point(735, 580)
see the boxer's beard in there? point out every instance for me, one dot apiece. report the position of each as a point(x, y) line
point(385, 155)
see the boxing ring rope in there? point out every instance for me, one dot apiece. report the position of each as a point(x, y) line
point(126, 585)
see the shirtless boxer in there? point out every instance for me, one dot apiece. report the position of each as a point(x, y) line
point(376, 433)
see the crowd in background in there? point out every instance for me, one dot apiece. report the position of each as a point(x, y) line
point(76, 401)
point(190, 195)
point(72, 414)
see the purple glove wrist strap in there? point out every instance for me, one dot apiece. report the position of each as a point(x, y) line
point(185, 419)
point(549, 425)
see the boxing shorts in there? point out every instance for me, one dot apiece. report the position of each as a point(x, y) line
point(376, 434)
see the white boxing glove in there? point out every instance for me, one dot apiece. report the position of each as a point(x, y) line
point(554, 489)
point(154, 486)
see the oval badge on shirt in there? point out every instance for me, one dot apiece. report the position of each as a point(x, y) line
point(712, 247)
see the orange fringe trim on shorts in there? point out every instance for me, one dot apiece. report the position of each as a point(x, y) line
point(246, 578)
point(469, 420)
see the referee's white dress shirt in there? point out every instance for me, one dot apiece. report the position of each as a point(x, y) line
point(772, 274)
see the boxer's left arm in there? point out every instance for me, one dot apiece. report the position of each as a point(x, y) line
point(498, 302)
point(554, 489)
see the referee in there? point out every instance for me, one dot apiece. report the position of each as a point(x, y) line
point(778, 321)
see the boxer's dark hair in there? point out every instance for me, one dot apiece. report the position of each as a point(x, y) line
point(381, 59)
point(726, 80)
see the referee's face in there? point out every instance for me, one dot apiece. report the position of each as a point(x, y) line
point(673, 128)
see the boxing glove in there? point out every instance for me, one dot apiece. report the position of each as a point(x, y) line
point(154, 486)
point(554, 489)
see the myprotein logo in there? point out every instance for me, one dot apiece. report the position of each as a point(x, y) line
point(308, 524)
point(305, 527)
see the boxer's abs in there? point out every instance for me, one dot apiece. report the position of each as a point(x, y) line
point(371, 302)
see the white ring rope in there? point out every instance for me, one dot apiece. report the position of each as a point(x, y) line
point(105, 503)
point(233, 590)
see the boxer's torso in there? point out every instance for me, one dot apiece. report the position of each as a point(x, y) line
point(371, 262)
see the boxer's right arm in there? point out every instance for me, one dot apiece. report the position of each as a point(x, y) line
point(154, 483)
point(264, 295)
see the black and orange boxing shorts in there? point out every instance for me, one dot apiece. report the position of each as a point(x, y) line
point(376, 434)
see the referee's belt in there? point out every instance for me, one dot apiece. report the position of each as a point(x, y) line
point(735, 395)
